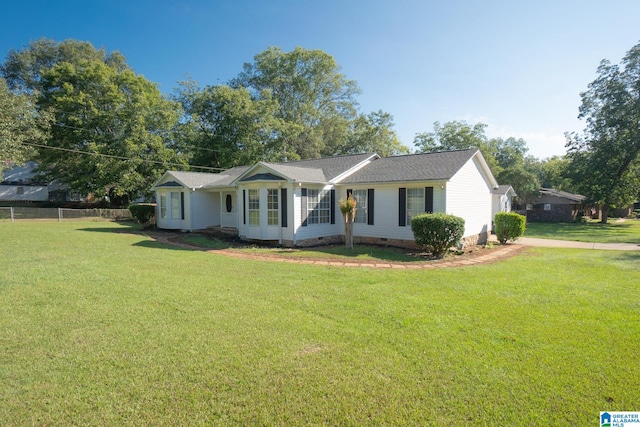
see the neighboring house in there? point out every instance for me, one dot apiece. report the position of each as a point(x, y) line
point(502, 198)
point(19, 184)
point(555, 206)
point(296, 203)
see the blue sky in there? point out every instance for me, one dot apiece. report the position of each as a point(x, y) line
point(517, 66)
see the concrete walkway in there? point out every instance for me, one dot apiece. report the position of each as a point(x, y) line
point(548, 243)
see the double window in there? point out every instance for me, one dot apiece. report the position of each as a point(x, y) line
point(318, 207)
point(412, 202)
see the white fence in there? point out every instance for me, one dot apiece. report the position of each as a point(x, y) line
point(60, 214)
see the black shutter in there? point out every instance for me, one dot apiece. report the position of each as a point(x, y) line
point(402, 207)
point(283, 207)
point(182, 204)
point(370, 206)
point(304, 206)
point(333, 207)
point(244, 206)
point(428, 199)
point(349, 193)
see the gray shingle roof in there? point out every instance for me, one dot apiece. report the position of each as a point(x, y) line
point(502, 189)
point(298, 173)
point(203, 179)
point(413, 167)
point(331, 166)
point(563, 194)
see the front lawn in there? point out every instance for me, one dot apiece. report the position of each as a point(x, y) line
point(616, 231)
point(103, 326)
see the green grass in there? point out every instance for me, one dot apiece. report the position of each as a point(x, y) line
point(101, 326)
point(627, 231)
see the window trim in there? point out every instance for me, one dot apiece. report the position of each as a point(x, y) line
point(318, 206)
point(253, 206)
point(273, 213)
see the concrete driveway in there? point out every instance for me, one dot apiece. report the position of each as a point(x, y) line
point(548, 243)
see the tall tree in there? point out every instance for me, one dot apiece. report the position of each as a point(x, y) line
point(117, 119)
point(23, 68)
point(454, 135)
point(20, 125)
point(506, 157)
point(373, 132)
point(315, 101)
point(112, 130)
point(230, 128)
point(604, 159)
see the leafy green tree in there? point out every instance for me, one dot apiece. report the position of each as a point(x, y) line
point(373, 132)
point(454, 135)
point(23, 68)
point(506, 158)
point(20, 125)
point(604, 159)
point(118, 120)
point(112, 132)
point(555, 172)
point(232, 128)
point(315, 101)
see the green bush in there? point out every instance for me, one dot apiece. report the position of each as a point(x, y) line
point(437, 232)
point(509, 226)
point(143, 212)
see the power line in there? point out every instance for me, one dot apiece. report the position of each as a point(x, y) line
point(111, 156)
point(194, 147)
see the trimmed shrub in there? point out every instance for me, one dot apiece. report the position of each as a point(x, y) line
point(437, 232)
point(143, 212)
point(509, 226)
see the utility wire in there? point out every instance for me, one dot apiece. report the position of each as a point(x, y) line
point(61, 125)
point(111, 156)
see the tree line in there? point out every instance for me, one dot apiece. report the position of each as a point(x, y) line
point(90, 121)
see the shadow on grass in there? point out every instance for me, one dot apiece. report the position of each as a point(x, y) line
point(200, 242)
point(125, 227)
point(155, 244)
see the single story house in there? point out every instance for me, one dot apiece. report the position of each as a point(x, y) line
point(296, 203)
point(21, 184)
point(555, 206)
point(503, 198)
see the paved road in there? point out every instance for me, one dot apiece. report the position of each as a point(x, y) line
point(530, 241)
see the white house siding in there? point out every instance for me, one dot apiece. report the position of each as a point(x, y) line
point(264, 231)
point(501, 203)
point(203, 207)
point(385, 217)
point(314, 233)
point(24, 193)
point(287, 232)
point(169, 222)
point(469, 197)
